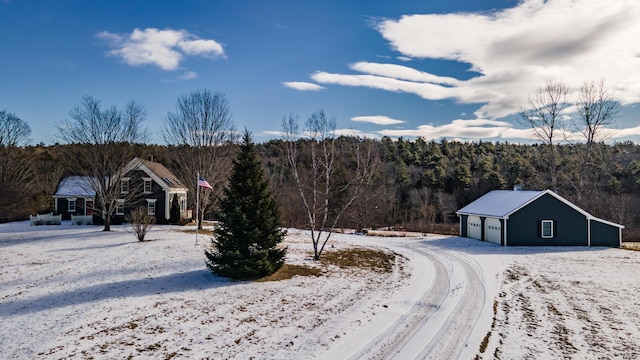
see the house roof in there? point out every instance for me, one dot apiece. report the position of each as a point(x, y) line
point(161, 174)
point(78, 186)
point(500, 203)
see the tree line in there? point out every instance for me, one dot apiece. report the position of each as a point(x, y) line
point(320, 181)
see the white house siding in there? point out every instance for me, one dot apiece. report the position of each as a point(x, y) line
point(492, 230)
point(474, 228)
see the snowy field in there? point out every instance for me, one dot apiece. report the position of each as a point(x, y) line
point(77, 292)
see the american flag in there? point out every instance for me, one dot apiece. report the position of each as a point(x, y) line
point(202, 182)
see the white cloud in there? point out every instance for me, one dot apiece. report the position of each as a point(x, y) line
point(163, 48)
point(377, 119)
point(478, 129)
point(356, 133)
point(302, 86)
point(513, 51)
point(188, 75)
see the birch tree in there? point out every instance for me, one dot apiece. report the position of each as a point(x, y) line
point(543, 114)
point(325, 199)
point(200, 131)
point(596, 109)
point(103, 142)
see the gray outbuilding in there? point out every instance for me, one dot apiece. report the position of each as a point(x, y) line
point(535, 218)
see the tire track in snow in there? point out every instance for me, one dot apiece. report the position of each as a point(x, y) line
point(444, 307)
point(387, 343)
point(453, 336)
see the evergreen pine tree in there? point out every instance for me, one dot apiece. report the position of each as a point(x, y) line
point(249, 229)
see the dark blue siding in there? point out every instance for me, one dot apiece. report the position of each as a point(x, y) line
point(463, 225)
point(570, 226)
point(604, 234)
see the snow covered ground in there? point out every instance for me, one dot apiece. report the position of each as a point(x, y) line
point(77, 292)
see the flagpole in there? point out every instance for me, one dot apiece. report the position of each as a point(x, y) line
point(197, 205)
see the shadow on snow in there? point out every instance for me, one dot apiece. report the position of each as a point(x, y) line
point(172, 283)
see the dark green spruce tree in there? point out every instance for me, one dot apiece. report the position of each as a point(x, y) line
point(245, 243)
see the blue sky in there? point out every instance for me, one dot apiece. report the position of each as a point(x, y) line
point(459, 69)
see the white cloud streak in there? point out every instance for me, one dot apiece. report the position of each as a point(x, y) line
point(514, 51)
point(165, 49)
point(303, 86)
point(377, 119)
point(479, 129)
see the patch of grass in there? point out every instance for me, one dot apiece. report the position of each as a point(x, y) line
point(288, 271)
point(364, 258)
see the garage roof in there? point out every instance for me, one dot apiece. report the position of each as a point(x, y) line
point(500, 203)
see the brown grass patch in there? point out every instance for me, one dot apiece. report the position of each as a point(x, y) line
point(368, 259)
point(288, 271)
point(364, 258)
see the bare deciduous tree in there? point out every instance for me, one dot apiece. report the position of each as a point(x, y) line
point(103, 141)
point(325, 198)
point(15, 170)
point(141, 222)
point(14, 132)
point(596, 109)
point(201, 130)
point(543, 115)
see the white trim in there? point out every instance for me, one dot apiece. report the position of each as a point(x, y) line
point(139, 165)
point(118, 205)
point(69, 202)
point(504, 228)
point(149, 202)
point(125, 180)
point(542, 235)
point(144, 185)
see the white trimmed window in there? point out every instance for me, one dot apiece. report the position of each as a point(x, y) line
point(124, 185)
point(183, 204)
point(546, 229)
point(72, 204)
point(151, 206)
point(120, 207)
point(147, 185)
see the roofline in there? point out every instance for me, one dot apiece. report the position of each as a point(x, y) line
point(550, 192)
point(140, 165)
point(606, 222)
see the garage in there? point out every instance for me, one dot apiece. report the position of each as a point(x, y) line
point(534, 218)
point(493, 230)
point(474, 227)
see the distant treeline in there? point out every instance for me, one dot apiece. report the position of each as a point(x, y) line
point(417, 183)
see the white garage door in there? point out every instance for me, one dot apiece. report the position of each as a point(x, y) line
point(492, 230)
point(474, 228)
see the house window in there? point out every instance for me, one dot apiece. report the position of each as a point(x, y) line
point(147, 186)
point(546, 229)
point(183, 204)
point(124, 185)
point(151, 206)
point(120, 207)
point(72, 204)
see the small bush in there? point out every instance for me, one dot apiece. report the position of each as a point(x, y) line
point(141, 222)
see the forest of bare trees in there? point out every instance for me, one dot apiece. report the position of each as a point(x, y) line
point(417, 183)
point(323, 181)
